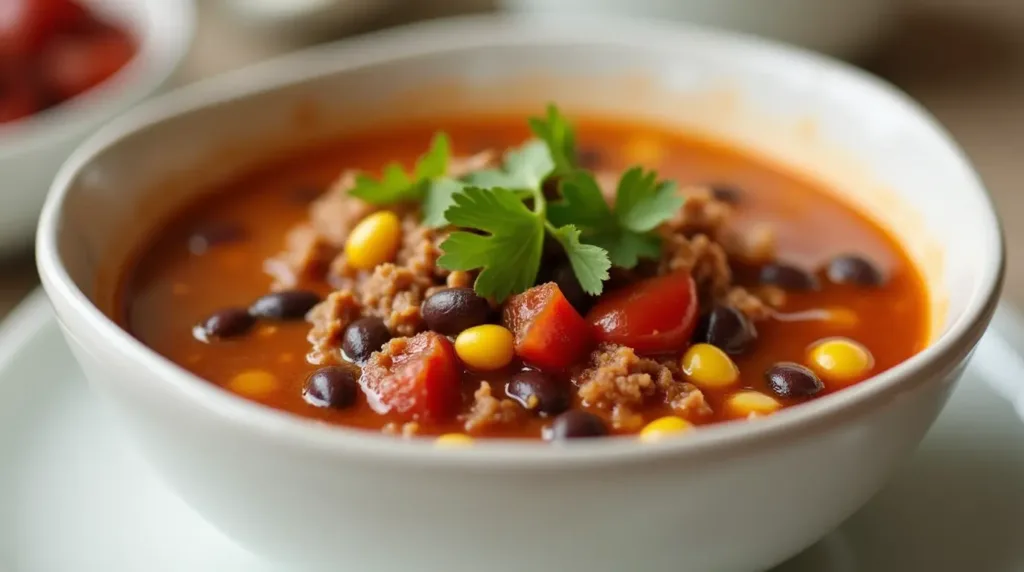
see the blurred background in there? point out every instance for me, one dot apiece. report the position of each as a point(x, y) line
point(68, 66)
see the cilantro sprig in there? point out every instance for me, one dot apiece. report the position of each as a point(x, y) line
point(426, 184)
point(641, 204)
point(502, 216)
point(508, 252)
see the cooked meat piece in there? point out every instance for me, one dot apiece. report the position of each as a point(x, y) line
point(329, 319)
point(701, 213)
point(755, 307)
point(488, 410)
point(306, 257)
point(335, 213)
point(394, 294)
point(704, 259)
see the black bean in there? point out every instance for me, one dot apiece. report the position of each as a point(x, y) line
point(576, 424)
point(363, 337)
point(452, 310)
point(788, 277)
point(284, 305)
point(332, 386)
point(788, 379)
point(227, 323)
point(205, 238)
point(853, 269)
point(565, 277)
point(729, 329)
point(538, 392)
point(726, 193)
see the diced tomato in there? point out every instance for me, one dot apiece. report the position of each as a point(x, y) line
point(549, 332)
point(25, 25)
point(655, 315)
point(418, 377)
point(73, 65)
point(17, 101)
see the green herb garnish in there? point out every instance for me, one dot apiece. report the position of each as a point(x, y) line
point(426, 184)
point(502, 216)
point(641, 204)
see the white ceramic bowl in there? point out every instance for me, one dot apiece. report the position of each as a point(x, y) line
point(836, 27)
point(732, 497)
point(33, 149)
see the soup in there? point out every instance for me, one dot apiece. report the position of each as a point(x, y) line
point(498, 278)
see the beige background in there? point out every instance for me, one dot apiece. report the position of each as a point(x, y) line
point(964, 59)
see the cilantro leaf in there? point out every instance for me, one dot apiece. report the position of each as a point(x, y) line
point(398, 186)
point(558, 135)
point(525, 167)
point(434, 163)
point(589, 263)
point(509, 253)
point(582, 204)
point(394, 186)
point(437, 200)
point(641, 203)
point(625, 248)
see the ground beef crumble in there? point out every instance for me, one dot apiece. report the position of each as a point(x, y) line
point(488, 410)
point(306, 256)
point(618, 380)
point(329, 319)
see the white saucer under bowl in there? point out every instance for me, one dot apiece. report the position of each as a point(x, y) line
point(75, 498)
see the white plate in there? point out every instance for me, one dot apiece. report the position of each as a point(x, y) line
point(73, 497)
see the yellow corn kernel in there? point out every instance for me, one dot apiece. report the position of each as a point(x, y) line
point(254, 383)
point(374, 240)
point(486, 347)
point(453, 440)
point(664, 427)
point(708, 367)
point(841, 360)
point(744, 404)
point(644, 151)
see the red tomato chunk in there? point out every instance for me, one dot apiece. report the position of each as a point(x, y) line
point(549, 333)
point(418, 377)
point(655, 315)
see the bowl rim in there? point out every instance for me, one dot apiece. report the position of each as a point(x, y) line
point(288, 430)
point(156, 60)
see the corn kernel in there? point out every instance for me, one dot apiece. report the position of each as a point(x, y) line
point(374, 240)
point(486, 347)
point(644, 151)
point(664, 427)
point(841, 360)
point(708, 367)
point(745, 404)
point(254, 383)
point(453, 440)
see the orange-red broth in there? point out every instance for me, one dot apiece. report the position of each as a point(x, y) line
point(169, 289)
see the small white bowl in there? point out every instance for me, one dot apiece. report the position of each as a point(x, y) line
point(730, 497)
point(31, 150)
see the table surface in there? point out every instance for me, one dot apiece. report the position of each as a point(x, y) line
point(963, 60)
